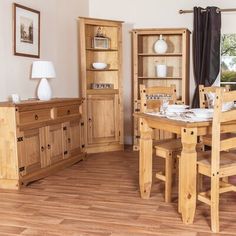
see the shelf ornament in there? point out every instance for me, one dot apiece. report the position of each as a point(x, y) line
point(160, 45)
point(100, 41)
point(161, 71)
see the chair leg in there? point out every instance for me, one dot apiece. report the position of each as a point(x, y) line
point(179, 186)
point(199, 182)
point(168, 174)
point(215, 203)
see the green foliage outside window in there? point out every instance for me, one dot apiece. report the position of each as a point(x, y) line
point(228, 45)
point(228, 59)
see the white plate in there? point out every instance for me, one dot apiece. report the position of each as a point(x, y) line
point(227, 106)
point(203, 113)
point(176, 108)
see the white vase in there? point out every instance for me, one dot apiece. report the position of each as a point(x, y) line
point(160, 45)
point(161, 70)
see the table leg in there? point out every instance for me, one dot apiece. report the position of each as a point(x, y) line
point(188, 175)
point(145, 159)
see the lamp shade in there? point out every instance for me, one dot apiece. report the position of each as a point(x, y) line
point(43, 69)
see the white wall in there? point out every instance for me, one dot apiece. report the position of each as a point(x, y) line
point(59, 39)
point(153, 14)
point(59, 43)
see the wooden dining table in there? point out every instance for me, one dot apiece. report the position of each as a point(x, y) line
point(189, 132)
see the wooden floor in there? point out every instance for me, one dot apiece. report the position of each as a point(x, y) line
point(100, 196)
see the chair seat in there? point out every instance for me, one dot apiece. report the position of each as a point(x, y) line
point(207, 138)
point(171, 145)
point(227, 163)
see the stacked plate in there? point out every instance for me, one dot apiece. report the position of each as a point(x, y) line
point(176, 108)
point(203, 113)
point(227, 106)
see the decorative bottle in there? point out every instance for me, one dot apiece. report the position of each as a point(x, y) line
point(160, 45)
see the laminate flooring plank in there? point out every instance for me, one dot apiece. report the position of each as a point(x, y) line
point(5, 229)
point(100, 197)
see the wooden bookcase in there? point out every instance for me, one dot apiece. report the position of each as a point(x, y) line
point(103, 107)
point(145, 60)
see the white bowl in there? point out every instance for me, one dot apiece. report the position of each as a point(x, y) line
point(99, 65)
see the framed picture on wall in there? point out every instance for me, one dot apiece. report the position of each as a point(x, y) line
point(26, 31)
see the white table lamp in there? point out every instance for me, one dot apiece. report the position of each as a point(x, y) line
point(43, 70)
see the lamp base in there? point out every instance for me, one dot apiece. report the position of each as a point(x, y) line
point(44, 90)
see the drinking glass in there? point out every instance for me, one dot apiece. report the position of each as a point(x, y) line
point(164, 106)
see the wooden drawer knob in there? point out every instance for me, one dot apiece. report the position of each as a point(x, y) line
point(69, 140)
point(49, 146)
point(68, 112)
point(42, 149)
point(36, 117)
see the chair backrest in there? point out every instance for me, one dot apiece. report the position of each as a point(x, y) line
point(203, 91)
point(220, 117)
point(151, 97)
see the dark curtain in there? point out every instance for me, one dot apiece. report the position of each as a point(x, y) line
point(206, 48)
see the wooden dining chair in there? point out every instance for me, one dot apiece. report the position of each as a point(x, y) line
point(203, 92)
point(220, 162)
point(167, 148)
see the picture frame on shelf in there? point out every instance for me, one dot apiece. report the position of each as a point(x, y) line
point(101, 43)
point(26, 31)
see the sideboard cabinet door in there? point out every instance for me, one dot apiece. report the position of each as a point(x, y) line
point(31, 151)
point(75, 137)
point(54, 143)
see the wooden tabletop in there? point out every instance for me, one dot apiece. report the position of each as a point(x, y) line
point(178, 123)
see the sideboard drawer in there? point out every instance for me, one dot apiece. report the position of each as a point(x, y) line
point(68, 110)
point(29, 117)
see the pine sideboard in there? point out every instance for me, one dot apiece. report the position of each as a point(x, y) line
point(38, 138)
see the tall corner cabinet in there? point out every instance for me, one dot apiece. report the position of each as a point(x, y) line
point(103, 106)
point(145, 59)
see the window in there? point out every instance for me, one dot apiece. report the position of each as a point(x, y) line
point(228, 61)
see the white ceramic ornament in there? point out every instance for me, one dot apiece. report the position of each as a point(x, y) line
point(161, 70)
point(160, 45)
